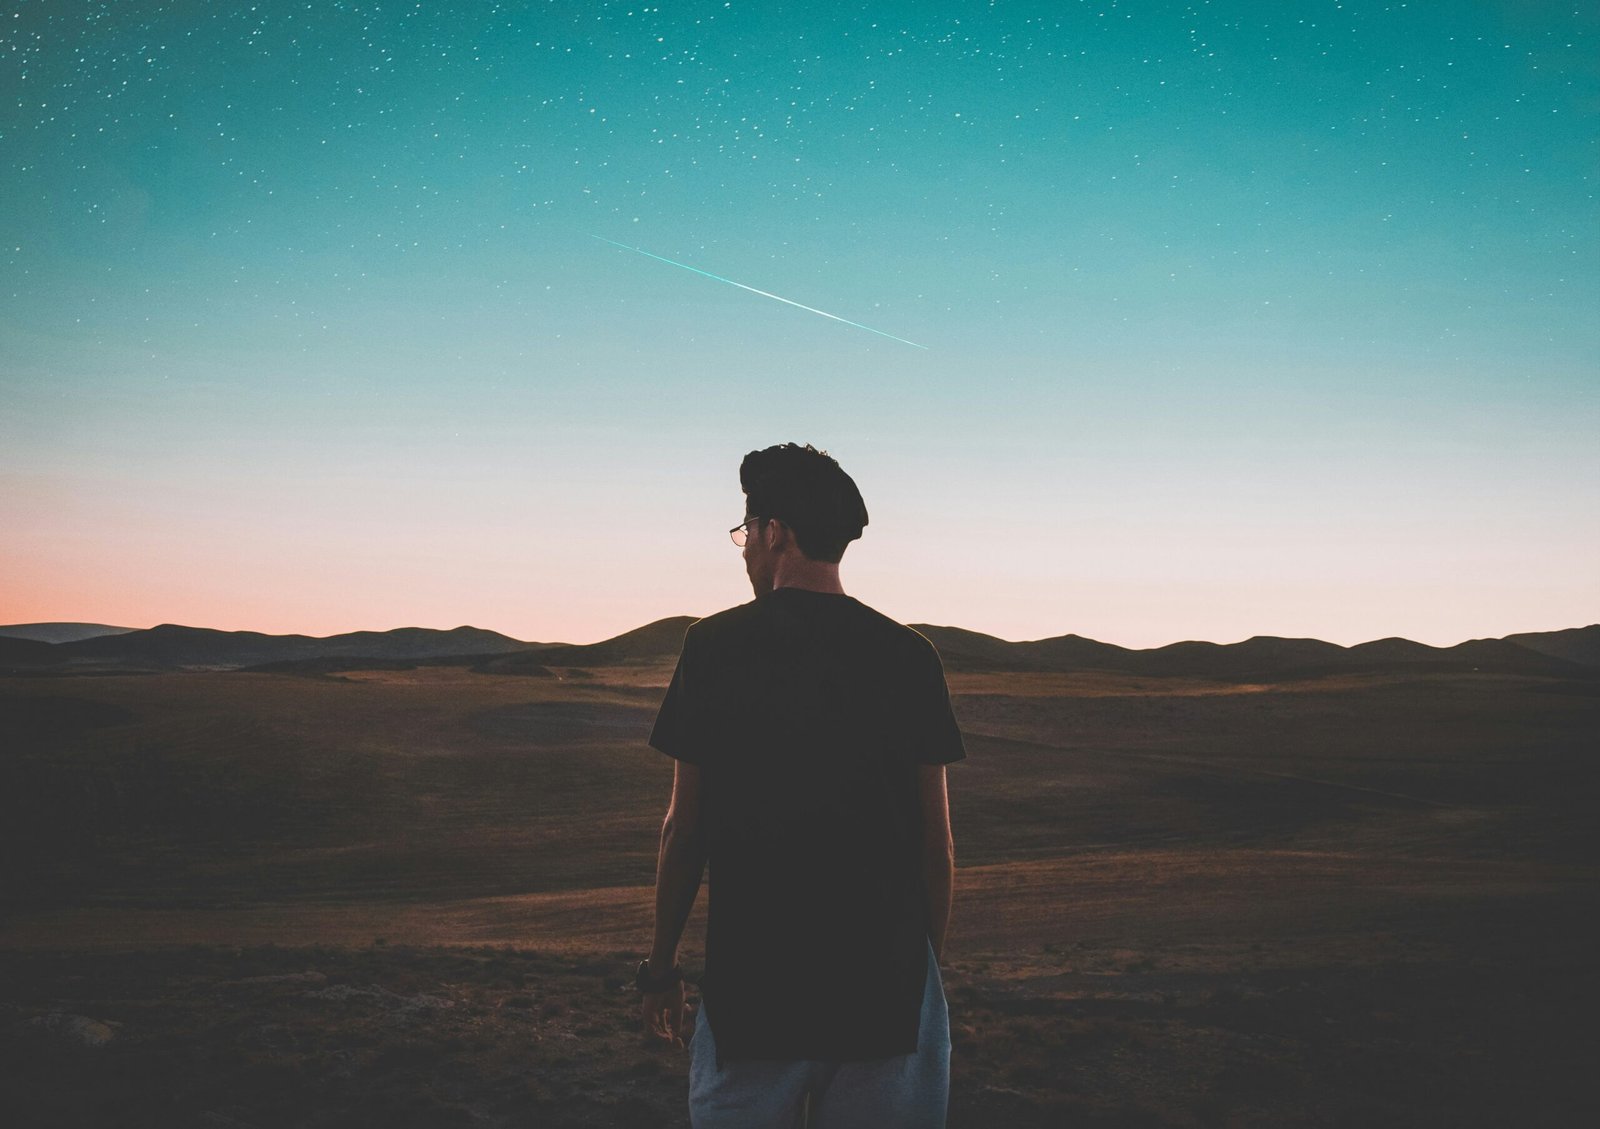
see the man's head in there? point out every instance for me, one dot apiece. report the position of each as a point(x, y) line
point(807, 505)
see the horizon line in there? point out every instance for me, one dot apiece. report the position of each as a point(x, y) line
point(124, 629)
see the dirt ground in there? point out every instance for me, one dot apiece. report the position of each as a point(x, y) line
point(1387, 1033)
point(414, 898)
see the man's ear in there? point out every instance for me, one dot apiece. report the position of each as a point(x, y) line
point(778, 535)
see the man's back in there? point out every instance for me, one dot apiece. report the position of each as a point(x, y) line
point(811, 735)
point(807, 714)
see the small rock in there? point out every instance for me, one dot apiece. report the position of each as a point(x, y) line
point(343, 993)
point(424, 1003)
point(307, 977)
point(380, 995)
point(517, 1001)
point(73, 1030)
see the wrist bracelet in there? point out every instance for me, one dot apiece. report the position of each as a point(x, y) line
point(643, 981)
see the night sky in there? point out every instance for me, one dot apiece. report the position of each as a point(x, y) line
point(1239, 318)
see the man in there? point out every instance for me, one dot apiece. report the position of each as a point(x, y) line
point(811, 736)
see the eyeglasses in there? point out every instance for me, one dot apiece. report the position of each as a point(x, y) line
point(740, 532)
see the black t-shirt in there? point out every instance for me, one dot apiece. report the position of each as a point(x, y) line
point(807, 714)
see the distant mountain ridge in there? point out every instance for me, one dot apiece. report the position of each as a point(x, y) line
point(1576, 644)
point(658, 640)
point(1574, 652)
point(173, 646)
point(1570, 653)
point(60, 632)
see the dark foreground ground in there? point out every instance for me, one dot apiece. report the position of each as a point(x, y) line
point(412, 899)
point(1395, 1034)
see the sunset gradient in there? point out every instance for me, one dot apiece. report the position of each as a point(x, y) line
point(1241, 318)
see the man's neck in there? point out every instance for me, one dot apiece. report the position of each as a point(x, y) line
point(813, 576)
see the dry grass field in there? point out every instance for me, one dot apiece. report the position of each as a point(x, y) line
point(411, 897)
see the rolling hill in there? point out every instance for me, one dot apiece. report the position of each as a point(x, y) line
point(1571, 653)
point(172, 646)
point(60, 632)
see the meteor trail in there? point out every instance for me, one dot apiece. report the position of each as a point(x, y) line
point(763, 293)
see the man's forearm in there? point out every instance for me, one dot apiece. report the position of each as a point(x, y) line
point(939, 876)
point(679, 867)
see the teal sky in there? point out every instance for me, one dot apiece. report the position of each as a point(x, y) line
point(1241, 318)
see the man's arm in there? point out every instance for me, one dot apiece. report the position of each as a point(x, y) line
point(679, 868)
point(938, 852)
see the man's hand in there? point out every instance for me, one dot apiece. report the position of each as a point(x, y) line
point(664, 1014)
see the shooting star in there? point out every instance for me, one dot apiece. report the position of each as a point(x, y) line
point(753, 290)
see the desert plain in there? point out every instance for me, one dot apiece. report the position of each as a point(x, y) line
point(414, 896)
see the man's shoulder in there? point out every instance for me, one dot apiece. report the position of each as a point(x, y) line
point(749, 623)
point(897, 634)
point(721, 625)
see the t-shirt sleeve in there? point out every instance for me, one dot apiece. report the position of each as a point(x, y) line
point(679, 731)
point(938, 737)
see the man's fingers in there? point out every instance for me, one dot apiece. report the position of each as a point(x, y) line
point(663, 1024)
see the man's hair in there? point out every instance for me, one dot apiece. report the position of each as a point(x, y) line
point(808, 491)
